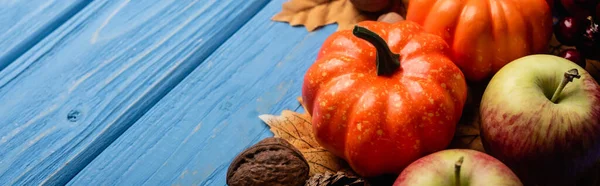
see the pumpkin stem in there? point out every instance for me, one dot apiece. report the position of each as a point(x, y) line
point(387, 61)
point(568, 77)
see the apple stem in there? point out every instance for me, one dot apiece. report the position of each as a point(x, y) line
point(568, 77)
point(457, 166)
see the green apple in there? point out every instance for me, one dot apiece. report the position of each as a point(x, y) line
point(540, 115)
point(453, 167)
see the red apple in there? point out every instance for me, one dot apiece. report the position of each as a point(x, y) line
point(540, 115)
point(454, 167)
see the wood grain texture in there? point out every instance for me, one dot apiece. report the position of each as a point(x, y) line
point(25, 22)
point(191, 135)
point(75, 92)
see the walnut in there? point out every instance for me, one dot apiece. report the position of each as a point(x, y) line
point(272, 161)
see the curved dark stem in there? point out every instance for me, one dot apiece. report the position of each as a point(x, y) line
point(387, 61)
point(568, 77)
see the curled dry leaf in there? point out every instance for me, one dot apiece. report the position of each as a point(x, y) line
point(315, 13)
point(296, 128)
point(467, 137)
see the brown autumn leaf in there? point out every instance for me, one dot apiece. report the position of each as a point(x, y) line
point(296, 128)
point(315, 13)
point(467, 129)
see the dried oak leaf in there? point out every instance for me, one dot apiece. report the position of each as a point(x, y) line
point(296, 129)
point(315, 13)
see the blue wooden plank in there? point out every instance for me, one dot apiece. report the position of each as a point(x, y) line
point(77, 90)
point(191, 135)
point(25, 22)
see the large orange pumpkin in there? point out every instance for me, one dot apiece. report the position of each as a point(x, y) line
point(486, 34)
point(383, 95)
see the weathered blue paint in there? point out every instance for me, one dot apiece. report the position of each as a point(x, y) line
point(69, 96)
point(191, 135)
point(23, 23)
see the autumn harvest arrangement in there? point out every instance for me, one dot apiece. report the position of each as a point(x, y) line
point(439, 92)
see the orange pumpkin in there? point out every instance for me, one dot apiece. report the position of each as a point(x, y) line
point(486, 34)
point(384, 95)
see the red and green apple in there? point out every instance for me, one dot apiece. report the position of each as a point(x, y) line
point(540, 115)
point(453, 167)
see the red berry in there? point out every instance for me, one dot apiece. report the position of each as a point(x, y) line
point(568, 30)
point(573, 55)
point(589, 43)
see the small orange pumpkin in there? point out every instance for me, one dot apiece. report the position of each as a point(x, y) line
point(486, 34)
point(383, 95)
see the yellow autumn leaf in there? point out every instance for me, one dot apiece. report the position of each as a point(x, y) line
point(296, 128)
point(315, 13)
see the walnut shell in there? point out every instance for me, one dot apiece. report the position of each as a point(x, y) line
point(272, 161)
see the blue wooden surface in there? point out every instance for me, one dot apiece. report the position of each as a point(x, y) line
point(70, 95)
point(24, 23)
point(191, 135)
